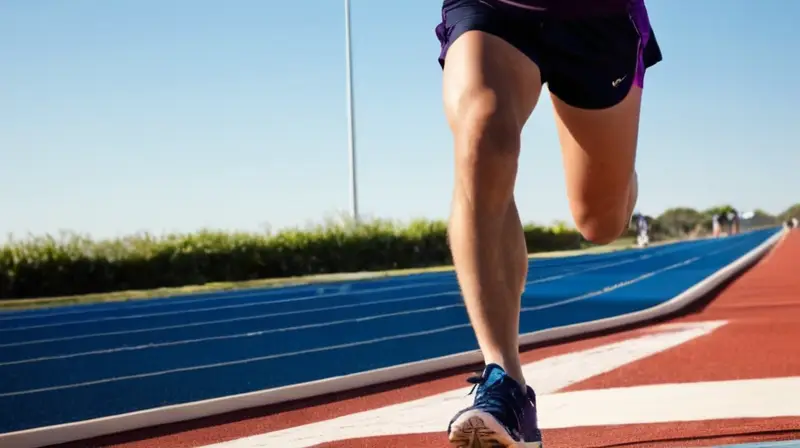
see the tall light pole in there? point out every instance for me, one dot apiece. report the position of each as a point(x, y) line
point(351, 135)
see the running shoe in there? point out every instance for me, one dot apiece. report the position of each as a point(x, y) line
point(503, 414)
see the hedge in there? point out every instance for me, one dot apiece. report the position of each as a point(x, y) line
point(73, 264)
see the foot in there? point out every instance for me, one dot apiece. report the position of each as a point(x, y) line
point(502, 415)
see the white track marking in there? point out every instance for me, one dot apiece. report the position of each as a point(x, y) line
point(310, 297)
point(215, 308)
point(233, 319)
point(296, 289)
point(229, 363)
point(668, 250)
point(315, 349)
point(662, 403)
point(552, 374)
point(310, 310)
point(348, 321)
point(609, 288)
point(185, 299)
point(431, 414)
point(354, 305)
point(249, 334)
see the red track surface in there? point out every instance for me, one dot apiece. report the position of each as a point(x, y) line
point(759, 341)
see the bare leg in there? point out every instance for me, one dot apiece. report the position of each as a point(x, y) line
point(598, 149)
point(490, 90)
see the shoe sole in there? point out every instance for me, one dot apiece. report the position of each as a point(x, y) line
point(477, 429)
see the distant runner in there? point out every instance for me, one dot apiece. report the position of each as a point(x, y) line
point(733, 221)
point(716, 225)
point(642, 235)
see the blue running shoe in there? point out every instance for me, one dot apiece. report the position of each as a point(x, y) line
point(502, 415)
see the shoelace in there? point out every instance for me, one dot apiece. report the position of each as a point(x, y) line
point(493, 393)
point(476, 381)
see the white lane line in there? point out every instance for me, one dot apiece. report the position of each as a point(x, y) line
point(585, 270)
point(430, 414)
point(610, 288)
point(249, 334)
point(325, 295)
point(215, 308)
point(626, 283)
point(219, 296)
point(338, 346)
point(234, 319)
point(350, 321)
point(231, 363)
point(322, 288)
point(288, 313)
point(338, 294)
point(287, 300)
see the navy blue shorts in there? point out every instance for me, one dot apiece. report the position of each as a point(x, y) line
point(587, 62)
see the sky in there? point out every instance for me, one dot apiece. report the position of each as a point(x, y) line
point(127, 116)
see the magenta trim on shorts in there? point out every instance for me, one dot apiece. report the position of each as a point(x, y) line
point(641, 22)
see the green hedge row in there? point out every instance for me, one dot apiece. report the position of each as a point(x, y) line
point(69, 265)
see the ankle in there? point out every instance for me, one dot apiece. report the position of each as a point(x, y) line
point(511, 367)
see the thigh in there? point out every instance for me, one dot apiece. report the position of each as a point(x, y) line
point(598, 67)
point(489, 64)
point(598, 149)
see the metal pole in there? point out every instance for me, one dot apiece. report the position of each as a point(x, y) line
point(351, 137)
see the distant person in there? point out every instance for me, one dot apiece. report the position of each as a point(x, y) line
point(496, 55)
point(716, 225)
point(642, 228)
point(733, 222)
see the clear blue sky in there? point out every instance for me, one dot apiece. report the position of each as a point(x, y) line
point(123, 116)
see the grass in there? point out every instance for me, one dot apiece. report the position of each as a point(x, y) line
point(121, 296)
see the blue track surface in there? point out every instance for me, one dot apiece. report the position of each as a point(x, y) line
point(75, 363)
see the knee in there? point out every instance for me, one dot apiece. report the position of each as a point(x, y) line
point(600, 225)
point(602, 212)
point(487, 136)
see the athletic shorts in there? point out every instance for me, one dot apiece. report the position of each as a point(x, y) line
point(587, 62)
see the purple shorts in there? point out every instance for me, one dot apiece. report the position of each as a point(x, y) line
point(588, 60)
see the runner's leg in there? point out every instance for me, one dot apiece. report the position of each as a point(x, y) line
point(597, 101)
point(598, 149)
point(490, 90)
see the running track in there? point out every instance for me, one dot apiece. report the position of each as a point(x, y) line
point(71, 364)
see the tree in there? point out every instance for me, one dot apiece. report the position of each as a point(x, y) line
point(680, 221)
point(791, 212)
point(761, 219)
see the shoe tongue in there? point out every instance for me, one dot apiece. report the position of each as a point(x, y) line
point(493, 374)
